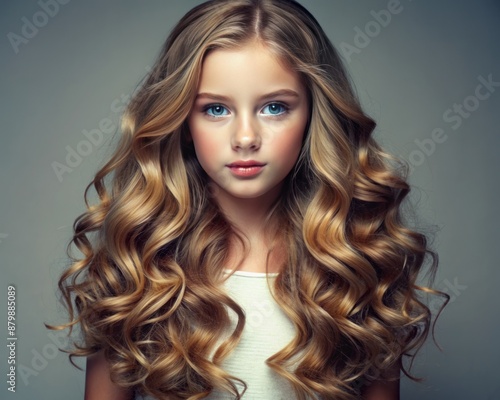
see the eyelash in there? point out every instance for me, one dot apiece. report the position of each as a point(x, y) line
point(285, 111)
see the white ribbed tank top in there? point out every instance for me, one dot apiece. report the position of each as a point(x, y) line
point(267, 330)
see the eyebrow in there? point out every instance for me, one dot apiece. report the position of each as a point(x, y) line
point(281, 92)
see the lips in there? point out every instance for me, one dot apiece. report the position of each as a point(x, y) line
point(246, 169)
point(246, 164)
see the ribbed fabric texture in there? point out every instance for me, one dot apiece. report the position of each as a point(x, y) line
point(267, 330)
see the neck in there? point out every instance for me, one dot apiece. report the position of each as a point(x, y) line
point(248, 215)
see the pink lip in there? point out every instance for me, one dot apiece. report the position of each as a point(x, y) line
point(246, 169)
point(245, 164)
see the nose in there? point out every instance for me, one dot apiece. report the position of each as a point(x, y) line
point(246, 135)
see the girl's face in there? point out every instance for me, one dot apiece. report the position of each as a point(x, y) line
point(247, 122)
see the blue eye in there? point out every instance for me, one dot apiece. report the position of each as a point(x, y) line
point(217, 110)
point(277, 108)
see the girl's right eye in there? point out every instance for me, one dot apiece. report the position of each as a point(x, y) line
point(215, 110)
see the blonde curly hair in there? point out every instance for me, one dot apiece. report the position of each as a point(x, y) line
point(148, 288)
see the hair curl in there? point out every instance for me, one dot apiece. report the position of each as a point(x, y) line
point(147, 290)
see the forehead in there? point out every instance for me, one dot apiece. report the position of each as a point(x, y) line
point(251, 67)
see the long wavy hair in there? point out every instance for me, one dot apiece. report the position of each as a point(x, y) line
point(148, 288)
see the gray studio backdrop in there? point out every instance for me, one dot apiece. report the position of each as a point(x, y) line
point(428, 72)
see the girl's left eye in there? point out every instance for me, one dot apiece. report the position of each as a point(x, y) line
point(277, 108)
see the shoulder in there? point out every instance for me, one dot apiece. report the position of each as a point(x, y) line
point(98, 384)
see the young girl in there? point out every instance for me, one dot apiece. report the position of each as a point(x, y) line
point(250, 241)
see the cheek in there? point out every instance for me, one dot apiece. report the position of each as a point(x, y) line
point(288, 146)
point(205, 142)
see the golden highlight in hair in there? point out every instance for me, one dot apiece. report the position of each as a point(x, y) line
point(148, 291)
